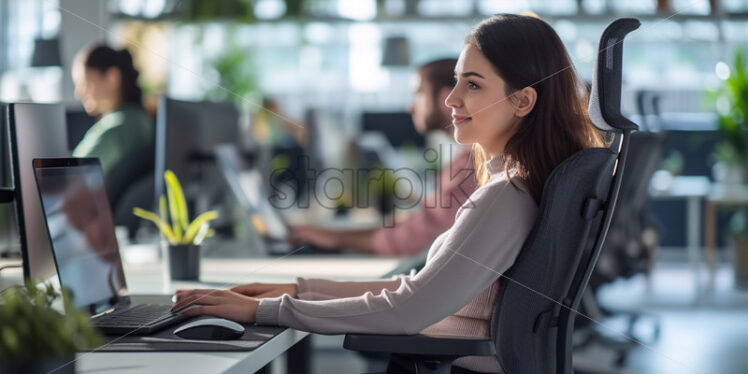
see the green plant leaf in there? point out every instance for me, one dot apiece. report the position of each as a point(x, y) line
point(30, 329)
point(163, 226)
point(201, 234)
point(193, 228)
point(162, 208)
point(177, 203)
point(173, 211)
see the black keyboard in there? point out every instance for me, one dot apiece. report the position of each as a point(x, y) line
point(138, 315)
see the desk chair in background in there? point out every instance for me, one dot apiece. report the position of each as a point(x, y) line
point(533, 317)
point(130, 185)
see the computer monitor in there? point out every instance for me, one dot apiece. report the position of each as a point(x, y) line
point(186, 133)
point(80, 226)
point(248, 187)
point(8, 232)
point(6, 171)
point(36, 130)
point(78, 123)
point(397, 127)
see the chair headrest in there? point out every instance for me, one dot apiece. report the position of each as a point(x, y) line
point(605, 99)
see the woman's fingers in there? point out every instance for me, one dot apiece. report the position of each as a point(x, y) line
point(235, 307)
point(250, 289)
point(199, 291)
point(213, 310)
point(204, 298)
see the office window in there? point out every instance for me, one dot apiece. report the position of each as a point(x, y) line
point(735, 6)
point(434, 8)
point(691, 7)
point(270, 9)
point(22, 21)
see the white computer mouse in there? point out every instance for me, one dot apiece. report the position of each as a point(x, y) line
point(210, 329)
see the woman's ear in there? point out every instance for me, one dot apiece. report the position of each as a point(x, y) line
point(524, 100)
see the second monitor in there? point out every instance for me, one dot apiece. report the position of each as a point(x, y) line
point(36, 130)
point(186, 133)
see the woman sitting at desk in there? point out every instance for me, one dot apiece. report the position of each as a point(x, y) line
point(520, 102)
point(106, 83)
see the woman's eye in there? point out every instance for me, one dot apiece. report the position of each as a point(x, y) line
point(472, 85)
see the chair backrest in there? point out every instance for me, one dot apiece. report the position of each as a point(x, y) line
point(534, 311)
point(128, 170)
point(619, 258)
point(126, 184)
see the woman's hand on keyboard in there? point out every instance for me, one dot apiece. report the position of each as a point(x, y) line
point(263, 290)
point(220, 303)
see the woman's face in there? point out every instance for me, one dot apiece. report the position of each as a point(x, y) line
point(98, 91)
point(481, 111)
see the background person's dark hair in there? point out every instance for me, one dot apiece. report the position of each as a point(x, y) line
point(527, 52)
point(439, 73)
point(102, 58)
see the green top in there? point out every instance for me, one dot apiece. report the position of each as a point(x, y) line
point(116, 135)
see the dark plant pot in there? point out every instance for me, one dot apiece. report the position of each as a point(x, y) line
point(65, 365)
point(184, 262)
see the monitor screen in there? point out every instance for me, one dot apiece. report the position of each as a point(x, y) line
point(397, 127)
point(81, 228)
point(186, 133)
point(248, 188)
point(37, 130)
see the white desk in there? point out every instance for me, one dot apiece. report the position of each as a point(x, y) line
point(693, 190)
point(188, 362)
point(720, 195)
point(147, 278)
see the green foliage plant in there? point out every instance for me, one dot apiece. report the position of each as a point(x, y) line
point(31, 329)
point(732, 108)
point(175, 226)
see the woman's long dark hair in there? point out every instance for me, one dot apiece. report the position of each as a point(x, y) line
point(526, 52)
point(103, 58)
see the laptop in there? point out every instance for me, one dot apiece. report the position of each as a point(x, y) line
point(81, 230)
point(248, 188)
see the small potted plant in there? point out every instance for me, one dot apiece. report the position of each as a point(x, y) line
point(36, 338)
point(731, 102)
point(184, 237)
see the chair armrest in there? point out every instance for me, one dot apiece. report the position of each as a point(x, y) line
point(423, 345)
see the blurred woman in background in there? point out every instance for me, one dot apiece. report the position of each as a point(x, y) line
point(106, 83)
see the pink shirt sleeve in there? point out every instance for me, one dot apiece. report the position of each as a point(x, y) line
point(455, 183)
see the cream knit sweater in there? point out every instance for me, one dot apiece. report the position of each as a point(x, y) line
point(452, 295)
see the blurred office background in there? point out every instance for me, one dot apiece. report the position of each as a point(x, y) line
point(328, 62)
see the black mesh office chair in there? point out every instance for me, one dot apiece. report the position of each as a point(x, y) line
point(533, 316)
point(633, 238)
